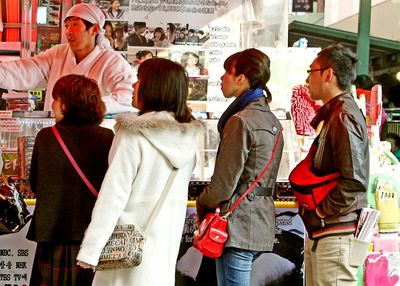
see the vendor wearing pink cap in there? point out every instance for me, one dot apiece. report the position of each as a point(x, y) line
point(87, 53)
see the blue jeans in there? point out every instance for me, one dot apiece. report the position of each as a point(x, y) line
point(234, 266)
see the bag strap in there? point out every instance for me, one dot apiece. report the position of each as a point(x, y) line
point(258, 178)
point(161, 200)
point(73, 162)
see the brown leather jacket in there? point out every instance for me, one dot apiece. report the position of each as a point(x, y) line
point(342, 147)
point(247, 141)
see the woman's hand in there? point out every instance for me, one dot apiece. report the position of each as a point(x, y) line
point(198, 220)
point(201, 211)
point(86, 265)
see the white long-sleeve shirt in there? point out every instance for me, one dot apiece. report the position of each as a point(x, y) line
point(111, 71)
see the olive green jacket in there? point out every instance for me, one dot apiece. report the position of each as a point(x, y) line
point(247, 141)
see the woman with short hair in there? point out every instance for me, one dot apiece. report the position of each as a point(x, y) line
point(63, 202)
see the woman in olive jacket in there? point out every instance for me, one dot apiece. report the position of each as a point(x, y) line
point(248, 131)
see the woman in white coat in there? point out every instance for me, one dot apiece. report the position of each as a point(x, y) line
point(145, 149)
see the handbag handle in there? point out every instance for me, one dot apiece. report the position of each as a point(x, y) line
point(73, 162)
point(160, 201)
point(249, 189)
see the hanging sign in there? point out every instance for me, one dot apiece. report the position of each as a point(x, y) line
point(302, 6)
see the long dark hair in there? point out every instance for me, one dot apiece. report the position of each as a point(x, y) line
point(161, 31)
point(254, 65)
point(185, 58)
point(163, 87)
point(142, 54)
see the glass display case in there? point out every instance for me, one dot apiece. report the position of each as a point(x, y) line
point(208, 146)
point(17, 138)
point(18, 133)
point(207, 153)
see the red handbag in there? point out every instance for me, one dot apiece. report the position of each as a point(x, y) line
point(309, 188)
point(211, 236)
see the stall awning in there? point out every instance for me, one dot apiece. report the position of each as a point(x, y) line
point(319, 36)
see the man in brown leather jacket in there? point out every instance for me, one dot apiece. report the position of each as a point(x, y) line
point(342, 147)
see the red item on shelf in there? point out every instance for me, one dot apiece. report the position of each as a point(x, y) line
point(303, 110)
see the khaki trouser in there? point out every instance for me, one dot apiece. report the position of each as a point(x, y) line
point(328, 264)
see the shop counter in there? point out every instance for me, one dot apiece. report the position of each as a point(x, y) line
point(17, 253)
point(284, 266)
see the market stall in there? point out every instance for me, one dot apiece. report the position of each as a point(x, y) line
point(228, 26)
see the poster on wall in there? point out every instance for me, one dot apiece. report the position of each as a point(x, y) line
point(48, 24)
point(211, 30)
point(116, 32)
point(195, 33)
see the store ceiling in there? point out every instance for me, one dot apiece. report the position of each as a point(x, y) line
point(319, 36)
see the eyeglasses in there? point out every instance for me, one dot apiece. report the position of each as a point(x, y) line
point(313, 70)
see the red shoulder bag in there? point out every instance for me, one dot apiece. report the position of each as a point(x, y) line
point(309, 188)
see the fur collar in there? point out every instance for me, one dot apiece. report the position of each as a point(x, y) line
point(154, 121)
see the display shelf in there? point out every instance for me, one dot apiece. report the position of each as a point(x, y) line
point(206, 156)
point(208, 146)
point(23, 127)
point(278, 204)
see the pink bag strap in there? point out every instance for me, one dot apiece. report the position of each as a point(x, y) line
point(258, 178)
point(73, 162)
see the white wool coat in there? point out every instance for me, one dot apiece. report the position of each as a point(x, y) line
point(140, 161)
point(111, 71)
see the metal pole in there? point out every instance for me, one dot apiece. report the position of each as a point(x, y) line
point(363, 41)
point(26, 29)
